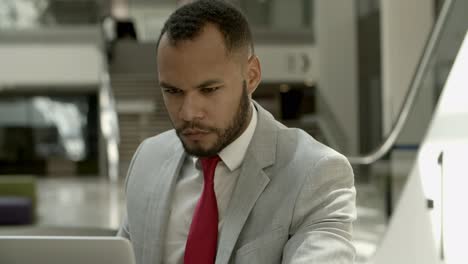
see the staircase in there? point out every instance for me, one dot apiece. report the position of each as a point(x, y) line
point(139, 102)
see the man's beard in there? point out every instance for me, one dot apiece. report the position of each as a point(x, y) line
point(225, 136)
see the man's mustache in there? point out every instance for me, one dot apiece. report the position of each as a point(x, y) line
point(195, 126)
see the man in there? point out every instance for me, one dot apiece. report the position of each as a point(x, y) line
point(278, 196)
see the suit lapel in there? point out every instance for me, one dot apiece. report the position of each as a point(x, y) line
point(159, 206)
point(250, 185)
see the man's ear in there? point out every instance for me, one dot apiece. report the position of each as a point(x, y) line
point(254, 74)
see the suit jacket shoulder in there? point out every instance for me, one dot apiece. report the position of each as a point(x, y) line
point(164, 143)
point(306, 206)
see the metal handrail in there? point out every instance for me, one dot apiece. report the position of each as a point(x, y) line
point(412, 93)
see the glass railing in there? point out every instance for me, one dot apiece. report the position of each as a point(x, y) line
point(429, 64)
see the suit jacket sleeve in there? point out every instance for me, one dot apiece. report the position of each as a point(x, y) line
point(124, 230)
point(324, 211)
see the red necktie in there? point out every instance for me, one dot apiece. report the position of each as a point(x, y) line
point(202, 239)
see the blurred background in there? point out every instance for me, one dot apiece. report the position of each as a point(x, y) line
point(79, 92)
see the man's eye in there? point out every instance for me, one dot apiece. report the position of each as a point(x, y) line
point(209, 89)
point(171, 90)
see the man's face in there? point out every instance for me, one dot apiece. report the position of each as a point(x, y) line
point(206, 90)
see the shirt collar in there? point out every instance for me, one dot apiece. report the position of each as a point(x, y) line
point(233, 154)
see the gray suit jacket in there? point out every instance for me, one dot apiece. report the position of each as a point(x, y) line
point(294, 201)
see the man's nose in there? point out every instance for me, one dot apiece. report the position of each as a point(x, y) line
point(191, 109)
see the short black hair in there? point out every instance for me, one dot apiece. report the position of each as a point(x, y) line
point(187, 22)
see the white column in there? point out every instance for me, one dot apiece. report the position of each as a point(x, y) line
point(405, 26)
point(336, 37)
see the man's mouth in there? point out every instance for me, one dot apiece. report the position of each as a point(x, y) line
point(192, 131)
point(194, 134)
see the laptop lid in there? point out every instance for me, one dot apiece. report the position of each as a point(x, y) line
point(65, 249)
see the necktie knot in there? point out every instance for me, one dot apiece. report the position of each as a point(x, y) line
point(209, 167)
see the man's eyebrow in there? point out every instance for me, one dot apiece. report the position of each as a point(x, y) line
point(209, 83)
point(166, 85)
point(201, 85)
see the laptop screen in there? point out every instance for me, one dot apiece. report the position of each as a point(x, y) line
point(65, 249)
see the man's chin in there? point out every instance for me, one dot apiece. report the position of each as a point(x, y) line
point(197, 149)
point(199, 152)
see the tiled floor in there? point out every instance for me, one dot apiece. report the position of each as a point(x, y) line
point(371, 223)
point(94, 204)
point(80, 203)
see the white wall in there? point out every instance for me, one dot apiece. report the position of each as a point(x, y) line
point(336, 36)
point(288, 63)
point(25, 64)
point(67, 56)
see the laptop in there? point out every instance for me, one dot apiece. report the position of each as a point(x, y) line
point(65, 249)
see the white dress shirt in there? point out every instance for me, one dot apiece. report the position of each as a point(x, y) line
point(189, 188)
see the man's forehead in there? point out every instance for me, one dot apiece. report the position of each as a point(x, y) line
point(208, 45)
point(209, 37)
